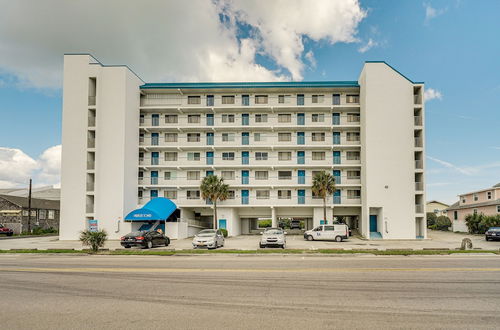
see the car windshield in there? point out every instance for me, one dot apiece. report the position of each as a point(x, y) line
point(274, 232)
point(136, 233)
point(494, 229)
point(206, 233)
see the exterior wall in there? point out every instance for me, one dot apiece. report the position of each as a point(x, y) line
point(433, 206)
point(459, 223)
point(482, 196)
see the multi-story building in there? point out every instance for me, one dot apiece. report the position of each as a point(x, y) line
point(485, 201)
point(126, 142)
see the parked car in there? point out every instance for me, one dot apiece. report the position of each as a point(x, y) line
point(6, 231)
point(209, 238)
point(273, 237)
point(145, 239)
point(337, 233)
point(295, 224)
point(493, 233)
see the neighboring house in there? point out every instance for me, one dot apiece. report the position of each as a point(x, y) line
point(436, 207)
point(486, 201)
point(14, 213)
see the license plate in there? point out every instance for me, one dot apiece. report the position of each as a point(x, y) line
point(200, 244)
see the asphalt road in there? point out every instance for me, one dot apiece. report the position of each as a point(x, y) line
point(248, 292)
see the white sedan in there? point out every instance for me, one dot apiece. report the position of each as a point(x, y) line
point(209, 238)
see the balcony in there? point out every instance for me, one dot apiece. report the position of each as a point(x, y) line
point(91, 100)
point(90, 186)
point(90, 165)
point(417, 120)
point(419, 164)
point(418, 142)
point(419, 208)
point(419, 186)
point(417, 99)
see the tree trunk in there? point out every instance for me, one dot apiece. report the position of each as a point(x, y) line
point(324, 209)
point(215, 215)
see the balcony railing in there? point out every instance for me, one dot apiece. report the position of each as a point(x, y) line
point(419, 186)
point(418, 142)
point(90, 165)
point(90, 186)
point(419, 208)
point(417, 120)
point(91, 100)
point(419, 164)
point(416, 99)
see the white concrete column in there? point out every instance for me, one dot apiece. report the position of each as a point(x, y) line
point(274, 219)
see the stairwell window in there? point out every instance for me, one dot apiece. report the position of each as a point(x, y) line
point(284, 137)
point(193, 156)
point(194, 119)
point(262, 194)
point(193, 175)
point(193, 194)
point(228, 99)
point(170, 156)
point(228, 118)
point(260, 99)
point(170, 194)
point(261, 118)
point(261, 175)
point(318, 137)
point(261, 156)
point(171, 119)
point(318, 117)
point(228, 156)
point(194, 100)
point(284, 155)
point(318, 155)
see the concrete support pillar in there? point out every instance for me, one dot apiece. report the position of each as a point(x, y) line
point(274, 219)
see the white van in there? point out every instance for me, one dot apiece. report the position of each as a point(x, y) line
point(336, 232)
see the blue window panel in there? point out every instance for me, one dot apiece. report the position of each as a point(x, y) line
point(301, 138)
point(155, 120)
point(335, 118)
point(245, 100)
point(300, 99)
point(222, 224)
point(155, 139)
point(244, 197)
point(245, 119)
point(154, 177)
point(245, 138)
point(336, 157)
point(155, 158)
point(245, 157)
point(210, 100)
point(210, 158)
point(301, 177)
point(153, 193)
point(301, 157)
point(336, 99)
point(301, 196)
point(301, 119)
point(210, 119)
point(210, 139)
point(336, 176)
point(336, 197)
point(336, 137)
point(208, 173)
point(245, 177)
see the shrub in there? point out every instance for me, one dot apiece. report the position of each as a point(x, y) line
point(94, 239)
point(431, 219)
point(479, 223)
point(224, 231)
point(265, 223)
point(443, 223)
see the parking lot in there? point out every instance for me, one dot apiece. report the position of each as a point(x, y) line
point(436, 240)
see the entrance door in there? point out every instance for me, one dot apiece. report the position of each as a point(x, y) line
point(245, 156)
point(301, 155)
point(335, 118)
point(301, 196)
point(336, 176)
point(244, 177)
point(301, 139)
point(301, 177)
point(245, 119)
point(210, 139)
point(210, 157)
point(245, 138)
point(210, 119)
point(154, 177)
point(373, 223)
point(301, 119)
point(222, 224)
point(244, 196)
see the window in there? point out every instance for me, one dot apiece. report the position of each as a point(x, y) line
point(141, 175)
point(259, 137)
point(261, 156)
point(228, 99)
point(463, 200)
point(336, 99)
point(171, 156)
point(285, 155)
point(193, 156)
point(139, 193)
point(317, 98)
point(169, 175)
point(42, 214)
point(318, 117)
point(141, 137)
point(193, 137)
point(261, 175)
point(353, 117)
point(284, 118)
point(227, 118)
point(227, 137)
point(194, 119)
point(141, 156)
point(261, 118)
point(194, 100)
point(284, 175)
point(488, 195)
point(352, 155)
point(170, 194)
point(352, 136)
point(193, 175)
point(353, 174)
point(498, 208)
point(474, 211)
point(318, 155)
point(353, 194)
point(455, 215)
point(281, 98)
point(210, 100)
point(284, 194)
point(228, 156)
point(262, 194)
point(475, 198)
point(329, 228)
point(171, 119)
point(227, 175)
point(193, 194)
point(245, 99)
point(170, 137)
point(354, 98)
point(51, 214)
point(260, 99)
point(230, 194)
point(25, 213)
point(141, 119)
point(284, 137)
point(318, 137)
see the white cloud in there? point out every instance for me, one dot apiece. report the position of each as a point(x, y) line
point(451, 166)
point(431, 12)
point(431, 94)
point(170, 40)
point(310, 57)
point(366, 47)
point(16, 167)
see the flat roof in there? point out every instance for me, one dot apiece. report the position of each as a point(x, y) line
point(277, 84)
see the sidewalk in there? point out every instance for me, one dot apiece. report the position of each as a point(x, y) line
point(437, 240)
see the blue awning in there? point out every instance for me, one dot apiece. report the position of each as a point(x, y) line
point(159, 208)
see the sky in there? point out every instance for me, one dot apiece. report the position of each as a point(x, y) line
point(453, 46)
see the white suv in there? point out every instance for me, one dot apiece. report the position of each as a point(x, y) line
point(336, 232)
point(273, 237)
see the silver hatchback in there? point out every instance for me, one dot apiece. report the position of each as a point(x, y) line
point(209, 238)
point(273, 237)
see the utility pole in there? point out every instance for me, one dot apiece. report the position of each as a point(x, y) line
point(29, 209)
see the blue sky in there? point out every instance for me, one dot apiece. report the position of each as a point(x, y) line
point(453, 46)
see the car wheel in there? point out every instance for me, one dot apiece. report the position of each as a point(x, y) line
point(487, 238)
point(283, 246)
point(310, 238)
point(262, 246)
point(10, 234)
point(149, 245)
point(338, 239)
point(127, 246)
point(167, 242)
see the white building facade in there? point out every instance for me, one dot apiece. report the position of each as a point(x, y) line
point(126, 142)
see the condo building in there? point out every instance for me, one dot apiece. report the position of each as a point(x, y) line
point(126, 142)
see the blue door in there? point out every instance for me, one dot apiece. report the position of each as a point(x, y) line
point(301, 177)
point(210, 157)
point(373, 223)
point(245, 156)
point(336, 137)
point(301, 157)
point(301, 138)
point(336, 99)
point(154, 177)
point(210, 139)
point(222, 224)
point(244, 177)
point(245, 119)
point(336, 176)
point(210, 100)
point(155, 139)
point(336, 197)
point(245, 99)
point(300, 99)
point(301, 196)
point(210, 119)
point(208, 173)
point(153, 194)
point(301, 119)
point(155, 120)
point(336, 157)
point(335, 118)
point(245, 138)
point(244, 196)
point(155, 158)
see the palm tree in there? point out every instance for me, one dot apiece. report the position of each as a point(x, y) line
point(214, 189)
point(323, 186)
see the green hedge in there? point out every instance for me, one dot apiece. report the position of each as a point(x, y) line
point(224, 231)
point(442, 223)
point(479, 223)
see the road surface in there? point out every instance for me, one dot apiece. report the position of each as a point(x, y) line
point(248, 292)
